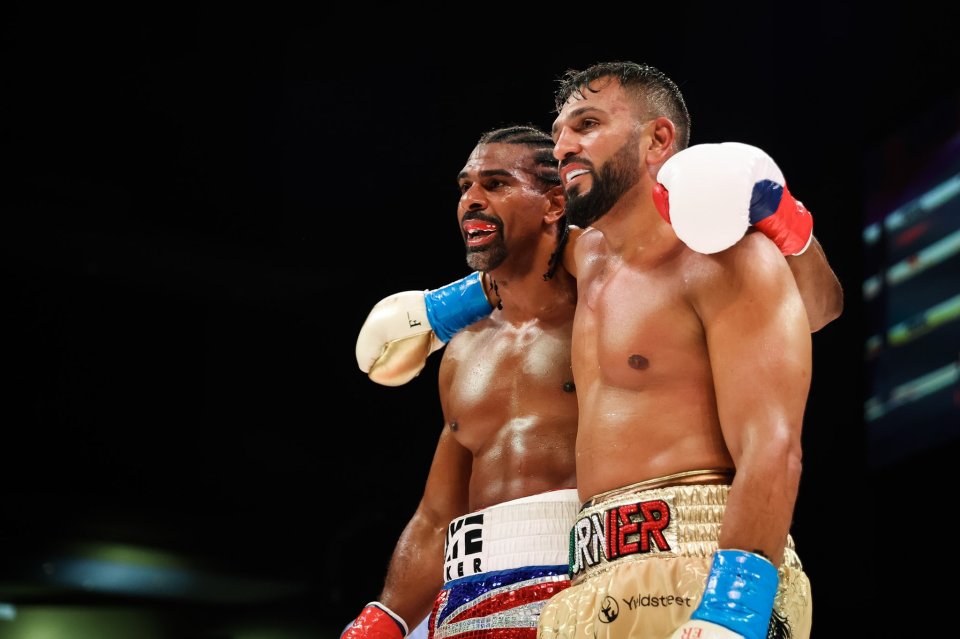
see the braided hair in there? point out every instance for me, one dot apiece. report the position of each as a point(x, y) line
point(547, 172)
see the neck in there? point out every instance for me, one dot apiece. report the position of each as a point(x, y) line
point(633, 228)
point(527, 295)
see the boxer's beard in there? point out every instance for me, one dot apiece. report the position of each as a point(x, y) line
point(614, 178)
point(489, 256)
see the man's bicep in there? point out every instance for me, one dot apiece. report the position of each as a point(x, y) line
point(759, 345)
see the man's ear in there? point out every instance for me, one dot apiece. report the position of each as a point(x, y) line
point(660, 146)
point(557, 201)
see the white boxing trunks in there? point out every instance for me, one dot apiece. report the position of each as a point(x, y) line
point(501, 564)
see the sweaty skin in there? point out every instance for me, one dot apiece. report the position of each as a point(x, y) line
point(506, 383)
point(509, 422)
point(682, 360)
point(510, 405)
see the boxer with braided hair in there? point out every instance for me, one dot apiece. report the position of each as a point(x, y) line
point(487, 545)
point(508, 441)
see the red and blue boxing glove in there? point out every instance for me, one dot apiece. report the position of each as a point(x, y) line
point(712, 193)
point(376, 621)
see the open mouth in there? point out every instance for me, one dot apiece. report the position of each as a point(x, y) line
point(478, 232)
point(572, 171)
point(569, 176)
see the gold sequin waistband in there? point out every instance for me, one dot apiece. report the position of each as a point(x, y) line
point(714, 476)
point(636, 523)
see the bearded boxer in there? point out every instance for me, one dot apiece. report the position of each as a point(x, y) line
point(693, 366)
point(403, 329)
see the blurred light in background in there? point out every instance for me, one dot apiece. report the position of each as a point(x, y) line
point(116, 591)
point(911, 288)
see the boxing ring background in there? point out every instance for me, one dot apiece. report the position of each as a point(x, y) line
point(202, 206)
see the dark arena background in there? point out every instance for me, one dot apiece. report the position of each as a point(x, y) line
point(201, 203)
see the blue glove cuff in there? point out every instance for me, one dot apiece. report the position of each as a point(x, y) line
point(739, 595)
point(456, 305)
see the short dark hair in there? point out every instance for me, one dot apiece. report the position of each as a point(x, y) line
point(547, 171)
point(660, 94)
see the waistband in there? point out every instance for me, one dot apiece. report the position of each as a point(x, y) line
point(698, 477)
point(525, 532)
point(665, 517)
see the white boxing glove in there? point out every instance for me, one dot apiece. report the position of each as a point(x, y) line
point(711, 194)
point(404, 328)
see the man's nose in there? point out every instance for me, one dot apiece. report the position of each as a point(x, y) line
point(567, 144)
point(473, 198)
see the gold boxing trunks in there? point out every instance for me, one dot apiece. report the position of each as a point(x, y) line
point(639, 559)
point(501, 564)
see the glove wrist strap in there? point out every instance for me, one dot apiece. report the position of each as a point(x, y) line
point(376, 621)
point(456, 305)
point(394, 616)
point(739, 595)
point(781, 217)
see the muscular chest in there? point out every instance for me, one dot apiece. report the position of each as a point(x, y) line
point(507, 366)
point(508, 374)
point(634, 328)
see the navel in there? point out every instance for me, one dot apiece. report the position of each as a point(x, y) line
point(454, 426)
point(569, 387)
point(638, 362)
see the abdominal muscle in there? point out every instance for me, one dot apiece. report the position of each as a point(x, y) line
point(508, 396)
point(647, 402)
point(629, 435)
point(526, 457)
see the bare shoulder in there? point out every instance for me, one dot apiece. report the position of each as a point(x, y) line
point(750, 268)
point(575, 248)
point(574, 232)
point(757, 242)
point(584, 247)
point(588, 243)
point(752, 264)
point(755, 255)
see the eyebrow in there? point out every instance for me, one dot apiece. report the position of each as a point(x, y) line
point(576, 113)
point(488, 173)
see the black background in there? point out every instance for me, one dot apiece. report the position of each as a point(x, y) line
point(202, 203)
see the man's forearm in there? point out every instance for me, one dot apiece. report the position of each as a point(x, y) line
point(819, 287)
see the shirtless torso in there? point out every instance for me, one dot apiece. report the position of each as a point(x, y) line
point(508, 396)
